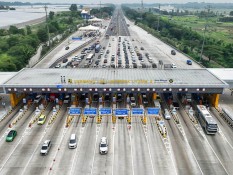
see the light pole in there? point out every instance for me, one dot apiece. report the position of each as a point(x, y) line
point(203, 43)
point(47, 26)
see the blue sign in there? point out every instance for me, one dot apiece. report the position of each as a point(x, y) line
point(121, 112)
point(77, 38)
point(75, 111)
point(105, 111)
point(90, 111)
point(137, 111)
point(153, 111)
point(59, 86)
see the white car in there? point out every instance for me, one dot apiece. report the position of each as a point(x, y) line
point(45, 147)
point(132, 101)
point(167, 115)
point(38, 99)
point(103, 145)
point(173, 65)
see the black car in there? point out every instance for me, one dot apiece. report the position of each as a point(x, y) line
point(107, 97)
point(119, 97)
point(64, 60)
point(95, 97)
point(154, 65)
point(67, 48)
point(83, 97)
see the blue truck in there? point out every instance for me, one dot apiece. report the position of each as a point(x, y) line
point(97, 48)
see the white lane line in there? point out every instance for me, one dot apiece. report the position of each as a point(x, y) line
point(24, 169)
point(24, 132)
point(113, 145)
point(131, 147)
point(93, 159)
point(79, 143)
point(224, 137)
point(149, 153)
point(216, 155)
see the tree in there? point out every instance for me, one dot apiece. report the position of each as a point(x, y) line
point(51, 15)
point(13, 41)
point(42, 35)
point(28, 30)
point(73, 7)
point(231, 13)
point(13, 30)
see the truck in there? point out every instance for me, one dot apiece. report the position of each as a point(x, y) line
point(97, 48)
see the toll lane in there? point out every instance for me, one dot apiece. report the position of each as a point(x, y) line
point(141, 157)
point(162, 160)
point(83, 164)
point(123, 160)
point(38, 164)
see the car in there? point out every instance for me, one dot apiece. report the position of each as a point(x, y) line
point(103, 146)
point(154, 65)
point(83, 97)
point(106, 56)
point(67, 48)
point(38, 99)
point(132, 101)
point(119, 97)
point(105, 60)
point(144, 99)
point(166, 114)
point(107, 52)
point(72, 141)
point(142, 48)
point(41, 120)
point(64, 60)
point(11, 135)
point(67, 99)
point(58, 66)
point(189, 62)
point(173, 52)
point(45, 147)
point(107, 97)
point(95, 97)
point(173, 65)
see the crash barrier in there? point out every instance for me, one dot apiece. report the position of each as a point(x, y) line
point(84, 119)
point(128, 120)
point(69, 120)
point(71, 52)
point(20, 115)
point(162, 128)
point(143, 119)
point(113, 119)
point(9, 112)
point(175, 116)
point(226, 115)
point(99, 119)
point(54, 116)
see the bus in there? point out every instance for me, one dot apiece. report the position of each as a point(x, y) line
point(206, 120)
point(90, 56)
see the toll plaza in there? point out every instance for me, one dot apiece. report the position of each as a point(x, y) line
point(55, 84)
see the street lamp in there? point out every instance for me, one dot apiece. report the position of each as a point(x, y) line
point(203, 43)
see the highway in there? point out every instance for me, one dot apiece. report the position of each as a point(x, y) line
point(134, 148)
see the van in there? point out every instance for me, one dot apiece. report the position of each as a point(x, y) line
point(167, 115)
point(103, 146)
point(72, 141)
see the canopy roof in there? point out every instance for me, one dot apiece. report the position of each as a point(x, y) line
point(89, 28)
point(95, 20)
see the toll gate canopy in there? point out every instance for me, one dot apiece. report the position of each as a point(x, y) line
point(106, 80)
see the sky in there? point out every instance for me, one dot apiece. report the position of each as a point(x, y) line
point(121, 1)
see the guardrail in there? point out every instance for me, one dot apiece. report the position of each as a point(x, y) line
point(71, 52)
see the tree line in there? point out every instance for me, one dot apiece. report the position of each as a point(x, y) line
point(184, 38)
point(17, 46)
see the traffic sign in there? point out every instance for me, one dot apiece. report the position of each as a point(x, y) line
point(105, 111)
point(121, 112)
point(137, 111)
point(90, 111)
point(74, 111)
point(153, 111)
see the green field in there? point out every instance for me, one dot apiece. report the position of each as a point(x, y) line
point(218, 30)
